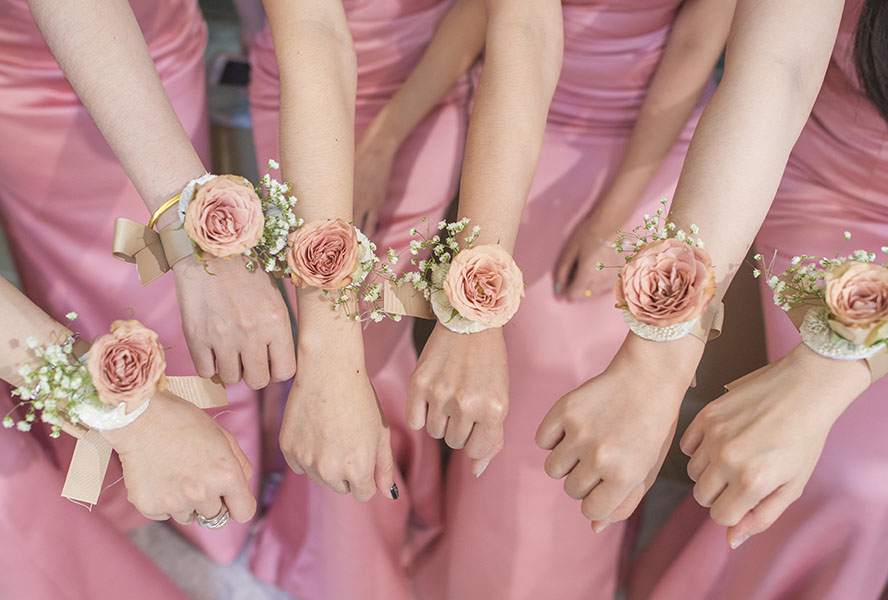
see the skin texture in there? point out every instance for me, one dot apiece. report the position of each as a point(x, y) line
point(753, 450)
point(101, 50)
point(459, 390)
point(695, 42)
point(776, 58)
point(333, 428)
point(176, 459)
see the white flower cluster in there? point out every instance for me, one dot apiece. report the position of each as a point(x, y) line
point(55, 387)
point(655, 228)
point(442, 247)
point(803, 281)
point(360, 290)
point(277, 205)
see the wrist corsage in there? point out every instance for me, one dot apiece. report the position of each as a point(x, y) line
point(110, 389)
point(839, 304)
point(336, 258)
point(220, 216)
point(471, 288)
point(667, 282)
point(225, 216)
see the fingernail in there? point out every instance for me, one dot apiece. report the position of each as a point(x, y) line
point(736, 543)
point(394, 491)
point(599, 527)
point(484, 468)
point(557, 288)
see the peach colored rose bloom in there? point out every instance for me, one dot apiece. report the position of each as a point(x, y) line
point(127, 364)
point(323, 254)
point(225, 216)
point(666, 282)
point(857, 297)
point(484, 285)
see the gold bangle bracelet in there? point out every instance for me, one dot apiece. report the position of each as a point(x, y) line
point(163, 208)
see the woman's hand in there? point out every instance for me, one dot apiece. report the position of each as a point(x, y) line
point(178, 462)
point(233, 318)
point(577, 276)
point(460, 392)
point(334, 429)
point(374, 157)
point(609, 437)
point(753, 450)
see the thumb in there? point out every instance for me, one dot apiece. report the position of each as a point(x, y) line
point(384, 474)
point(245, 463)
point(480, 465)
point(763, 515)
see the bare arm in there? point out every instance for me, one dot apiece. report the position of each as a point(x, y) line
point(171, 443)
point(100, 48)
point(333, 429)
point(521, 68)
point(777, 56)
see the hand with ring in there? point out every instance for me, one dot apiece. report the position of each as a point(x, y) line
point(178, 462)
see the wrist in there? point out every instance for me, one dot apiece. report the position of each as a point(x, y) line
point(844, 380)
point(671, 364)
point(384, 133)
point(134, 434)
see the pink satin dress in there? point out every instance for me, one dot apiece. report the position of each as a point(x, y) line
point(61, 188)
point(832, 542)
point(314, 543)
point(513, 532)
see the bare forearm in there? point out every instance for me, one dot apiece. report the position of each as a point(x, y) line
point(455, 46)
point(318, 74)
point(697, 38)
point(521, 69)
point(20, 319)
point(101, 49)
point(742, 144)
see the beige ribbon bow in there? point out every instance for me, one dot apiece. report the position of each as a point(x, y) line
point(153, 253)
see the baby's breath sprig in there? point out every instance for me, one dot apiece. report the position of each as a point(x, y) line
point(440, 247)
point(360, 300)
point(803, 281)
point(55, 385)
point(277, 205)
point(654, 228)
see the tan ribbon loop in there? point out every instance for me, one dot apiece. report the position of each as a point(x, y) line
point(203, 393)
point(135, 243)
point(405, 300)
point(176, 244)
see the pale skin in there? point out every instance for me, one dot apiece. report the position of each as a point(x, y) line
point(177, 461)
point(333, 428)
point(777, 55)
point(695, 42)
point(459, 390)
point(235, 322)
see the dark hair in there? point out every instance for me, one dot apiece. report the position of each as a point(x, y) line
point(871, 53)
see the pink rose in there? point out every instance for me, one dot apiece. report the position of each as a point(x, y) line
point(857, 297)
point(666, 282)
point(484, 285)
point(225, 216)
point(127, 364)
point(323, 254)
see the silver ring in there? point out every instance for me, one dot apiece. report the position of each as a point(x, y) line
point(216, 522)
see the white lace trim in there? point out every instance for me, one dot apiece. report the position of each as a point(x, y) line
point(658, 334)
point(96, 415)
point(188, 193)
point(819, 337)
point(444, 310)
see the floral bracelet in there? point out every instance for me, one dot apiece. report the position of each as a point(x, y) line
point(470, 287)
point(667, 283)
point(109, 388)
point(839, 304)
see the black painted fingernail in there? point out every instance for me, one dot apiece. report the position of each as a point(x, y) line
point(394, 491)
